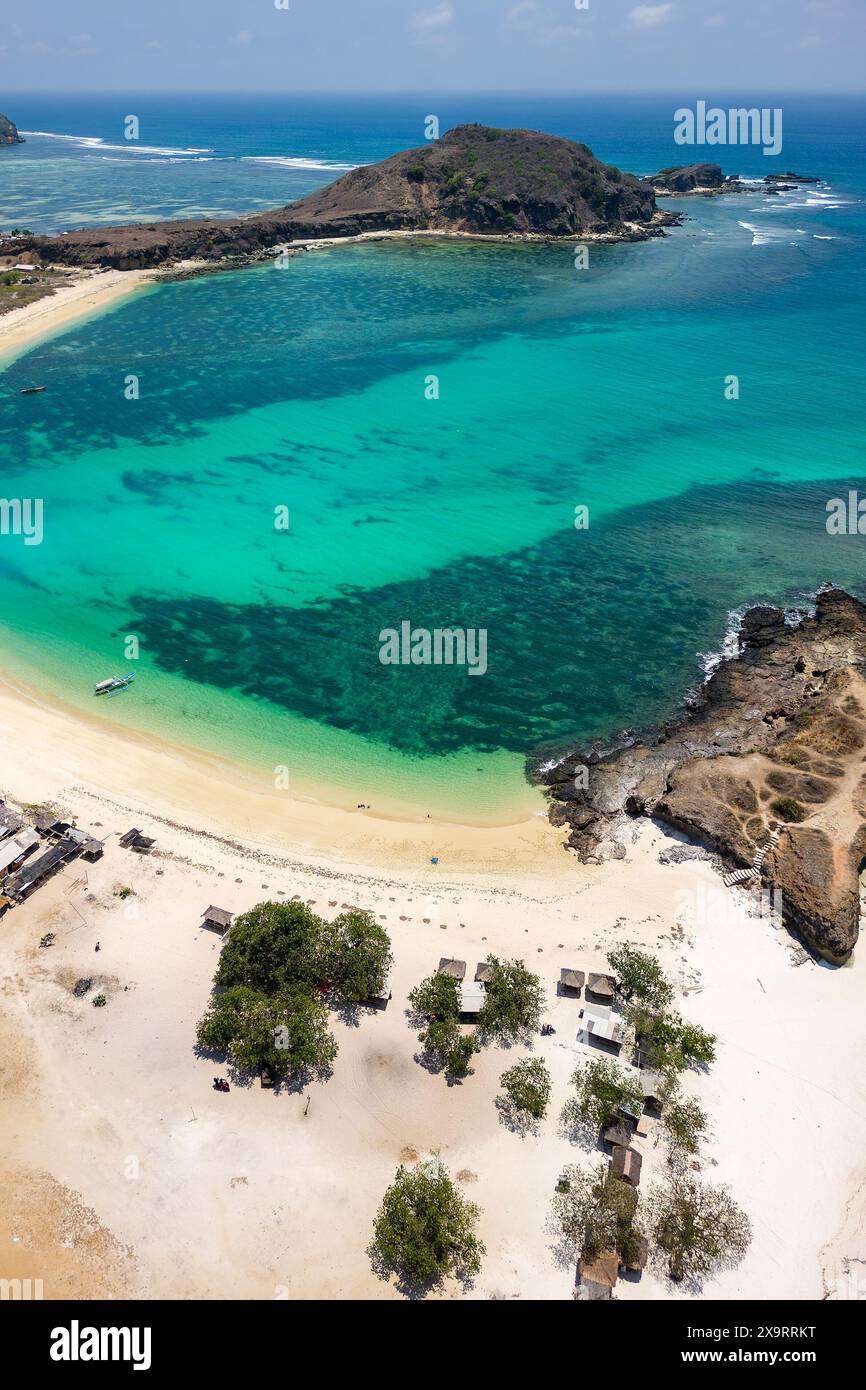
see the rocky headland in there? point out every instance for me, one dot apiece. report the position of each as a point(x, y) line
point(694, 178)
point(774, 740)
point(9, 132)
point(475, 181)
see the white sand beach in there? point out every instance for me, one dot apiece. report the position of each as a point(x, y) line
point(86, 294)
point(124, 1172)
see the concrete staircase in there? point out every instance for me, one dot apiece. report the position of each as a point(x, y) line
point(739, 876)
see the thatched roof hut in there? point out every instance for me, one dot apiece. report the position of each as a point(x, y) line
point(455, 968)
point(483, 972)
point(602, 986)
point(597, 1277)
point(218, 919)
point(571, 980)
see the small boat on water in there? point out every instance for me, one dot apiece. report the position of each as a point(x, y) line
point(113, 684)
point(33, 390)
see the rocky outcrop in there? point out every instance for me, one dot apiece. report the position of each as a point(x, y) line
point(791, 178)
point(694, 178)
point(476, 180)
point(775, 739)
point(9, 132)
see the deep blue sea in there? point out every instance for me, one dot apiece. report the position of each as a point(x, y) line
point(305, 388)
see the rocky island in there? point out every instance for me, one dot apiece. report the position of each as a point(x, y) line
point(773, 742)
point(476, 180)
point(9, 132)
point(694, 178)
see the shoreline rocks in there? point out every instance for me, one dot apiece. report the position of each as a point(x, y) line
point(775, 739)
point(9, 132)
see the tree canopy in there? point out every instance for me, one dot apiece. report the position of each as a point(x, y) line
point(514, 1000)
point(527, 1087)
point(275, 965)
point(425, 1228)
point(601, 1087)
point(699, 1226)
point(287, 1032)
point(640, 976)
point(594, 1211)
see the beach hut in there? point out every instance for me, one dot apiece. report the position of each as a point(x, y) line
point(10, 821)
point(607, 1030)
point(626, 1164)
point(651, 1084)
point(602, 986)
point(618, 1133)
point(16, 847)
point(571, 981)
point(483, 972)
point(471, 994)
point(596, 1278)
point(455, 968)
point(218, 920)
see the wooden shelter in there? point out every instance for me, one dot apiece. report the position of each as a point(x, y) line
point(626, 1164)
point(617, 1133)
point(602, 986)
point(218, 919)
point(571, 981)
point(596, 1278)
point(483, 973)
point(455, 968)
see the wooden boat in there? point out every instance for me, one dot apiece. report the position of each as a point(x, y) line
point(33, 390)
point(113, 684)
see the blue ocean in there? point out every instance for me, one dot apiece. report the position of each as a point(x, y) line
point(306, 391)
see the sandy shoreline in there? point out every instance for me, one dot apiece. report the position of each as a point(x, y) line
point(21, 329)
point(127, 1173)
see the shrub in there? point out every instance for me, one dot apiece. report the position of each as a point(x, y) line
point(527, 1087)
point(788, 809)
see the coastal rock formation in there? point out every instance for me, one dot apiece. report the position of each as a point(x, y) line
point(9, 132)
point(791, 178)
point(476, 180)
point(694, 178)
point(775, 739)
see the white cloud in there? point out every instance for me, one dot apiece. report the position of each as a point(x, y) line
point(430, 21)
point(715, 21)
point(519, 17)
point(649, 16)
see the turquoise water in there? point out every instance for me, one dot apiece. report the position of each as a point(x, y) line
point(304, 388)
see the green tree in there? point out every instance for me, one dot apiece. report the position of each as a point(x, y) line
point(672, 1044)
point(355, 955)
point(601, 1087)
point(425, 1229)
point(699, 1226)
point(272, 946)
point(640, 976)
point(593, 1211)
point(447, 1047)
point(527, 1087)
point(514, 1000)
point(287, 1033)
point(686, 1124)
point(436, 998)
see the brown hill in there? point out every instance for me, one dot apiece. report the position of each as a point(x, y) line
point(475, 179)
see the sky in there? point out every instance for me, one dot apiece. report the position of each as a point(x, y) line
point(711, 46)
